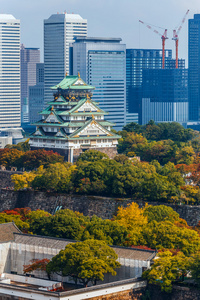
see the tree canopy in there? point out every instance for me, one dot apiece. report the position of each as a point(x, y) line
point(85, 261)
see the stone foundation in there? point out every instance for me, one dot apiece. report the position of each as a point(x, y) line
point(110, 151)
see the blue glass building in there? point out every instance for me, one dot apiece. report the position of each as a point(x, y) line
point(164, 95)
point(102, 63)
point(194, 67)
point(138, 60)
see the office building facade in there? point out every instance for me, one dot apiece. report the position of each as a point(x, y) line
point(59, 32)
point(36, 95)
point(164, 95)
point(102, 63)
point(29, 58)
point(138, 60)
point(10, 110)
point(194, 67)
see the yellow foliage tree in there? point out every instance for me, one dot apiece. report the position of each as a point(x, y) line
point(132, 216)
point(22, 181)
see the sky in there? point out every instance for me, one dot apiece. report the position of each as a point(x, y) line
point(108, 18)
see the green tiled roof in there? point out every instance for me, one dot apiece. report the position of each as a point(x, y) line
point(71, 124)
point(77, 138)
point(69, 83)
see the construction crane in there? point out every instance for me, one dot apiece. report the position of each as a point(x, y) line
point(175, 36)
point(163, 37)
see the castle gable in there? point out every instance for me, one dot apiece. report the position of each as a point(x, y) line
point(88, 107)
point(53, 118)
point(93, 128)
point(79, 81)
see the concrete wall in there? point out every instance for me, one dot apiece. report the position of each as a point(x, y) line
point(103, 207)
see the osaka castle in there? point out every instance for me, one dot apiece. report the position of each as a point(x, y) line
point(73, 123)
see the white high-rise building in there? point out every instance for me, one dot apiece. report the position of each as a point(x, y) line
point(10, 112)
point(59, 33)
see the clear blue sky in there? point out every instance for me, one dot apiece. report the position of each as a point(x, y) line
point(107, 18)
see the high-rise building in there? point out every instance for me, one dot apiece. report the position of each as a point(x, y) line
point(36, 95)
point(194, 67)
point(29, 58)
point(102, 63)
point(10, 111)
point(138, 60)
point(164, 95)
point(59, 32)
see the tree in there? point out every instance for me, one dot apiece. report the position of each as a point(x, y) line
point(10, 157)
point(169, 236)
point(109, 231)
point(195, 267)
point(36, 264)
point(92, 155)
point(23, 146)
point(5, 218)
point(86, 261)
point(160, 213)
point(56, 177)
point(34, 158)
point(166, 269)
point(131, 216)
point(23, 181)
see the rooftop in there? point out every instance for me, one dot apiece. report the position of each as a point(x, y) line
point(64, 16)
point(80, 39)
point(6, 17)
point(59, 243)
point(7, 231)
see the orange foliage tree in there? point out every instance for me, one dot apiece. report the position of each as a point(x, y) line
point(36, 264)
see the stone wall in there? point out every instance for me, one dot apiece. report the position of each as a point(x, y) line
point(103, 207)
point(5, 178)
point(135, 294)
point(178, 293)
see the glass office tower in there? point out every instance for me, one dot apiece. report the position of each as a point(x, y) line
point(59, 32)
point(102, 63)
point(138, 60)
point(194, 67)
point(10, 111)
point(29, 58)
point(164, 95)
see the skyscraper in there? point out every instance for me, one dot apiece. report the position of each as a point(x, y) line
point(102, 63)
point(10, 112)
point(194, 67)
point(29, 58)
point(164, 95)
point(138, 60)
point(36, 94)
point(59, 32)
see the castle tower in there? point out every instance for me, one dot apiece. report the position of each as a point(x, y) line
point(73, 123)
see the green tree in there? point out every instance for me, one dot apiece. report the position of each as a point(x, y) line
point(56, 177)
point(169, 236)
point(195, 267)
point(167, 268)
point(160, 213)
point(86, 261)
point(92, 155)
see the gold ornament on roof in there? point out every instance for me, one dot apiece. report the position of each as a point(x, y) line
point(78, 74)
point(52, 108)
point(93, 117)
point(66, 74)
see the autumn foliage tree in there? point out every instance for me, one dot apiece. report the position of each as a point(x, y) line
point(36, 264)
